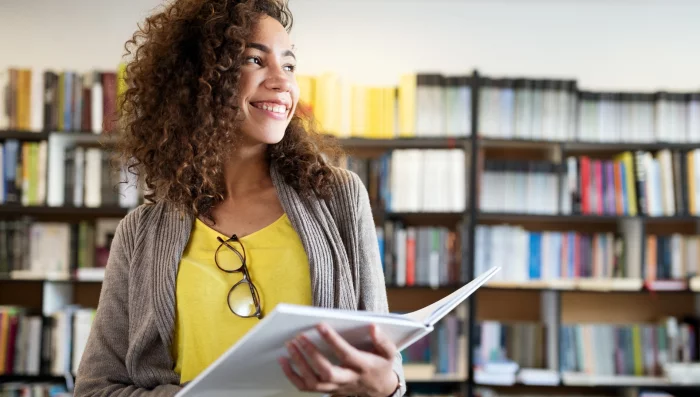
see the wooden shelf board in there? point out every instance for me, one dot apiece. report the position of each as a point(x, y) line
point(32, 379)
point(19, 210)
point(528, 285)
point(23, 135)
point(426, 218)
point(405, 143)
point(518, 143)
point(416, 142)
point(576, 147)
point(579, 218)
point(578, 379)
point(589, 285)
point(424, 372)
point(518, 217)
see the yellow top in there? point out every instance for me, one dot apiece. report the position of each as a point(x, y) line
point(205, 327)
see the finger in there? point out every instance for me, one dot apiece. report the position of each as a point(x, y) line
point(326, 371)
point(305, 371)
point(291, 375)
point(309, 376)
point(382, 344)
point(346, 353)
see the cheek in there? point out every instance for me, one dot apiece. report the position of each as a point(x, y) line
point(245, 86)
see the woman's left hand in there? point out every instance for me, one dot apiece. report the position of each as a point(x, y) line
point(361, 373)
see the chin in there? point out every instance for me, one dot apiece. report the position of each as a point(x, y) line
point(265, 137)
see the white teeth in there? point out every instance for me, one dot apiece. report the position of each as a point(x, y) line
point(272, 108)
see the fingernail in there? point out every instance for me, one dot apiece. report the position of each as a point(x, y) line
point(322, 329)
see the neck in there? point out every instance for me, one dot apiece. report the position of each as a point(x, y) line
point(246, 170)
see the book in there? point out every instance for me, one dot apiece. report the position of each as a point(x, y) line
point(250, 367)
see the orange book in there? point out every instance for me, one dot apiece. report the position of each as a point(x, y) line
point(410, 256)
point(619, 205)
point(27, 100)
point(19, 100)
point(651, 258)
point(4, 331)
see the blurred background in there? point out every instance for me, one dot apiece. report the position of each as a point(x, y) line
point(556, 139)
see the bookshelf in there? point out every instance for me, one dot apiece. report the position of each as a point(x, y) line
point(553, 303)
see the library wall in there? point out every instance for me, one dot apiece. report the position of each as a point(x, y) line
point(565, 39)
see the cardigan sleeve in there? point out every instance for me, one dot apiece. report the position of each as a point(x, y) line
point(102, 370)
point(373, 295)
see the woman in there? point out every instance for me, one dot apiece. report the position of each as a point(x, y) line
point(246, 213)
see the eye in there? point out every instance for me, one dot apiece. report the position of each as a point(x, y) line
point(290, 68)
point(253, 59)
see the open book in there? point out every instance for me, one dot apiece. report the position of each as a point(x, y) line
point(250, 368)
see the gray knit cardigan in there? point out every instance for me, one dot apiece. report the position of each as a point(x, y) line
point(128, 351)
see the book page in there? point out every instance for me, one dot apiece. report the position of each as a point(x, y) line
point(431, 314)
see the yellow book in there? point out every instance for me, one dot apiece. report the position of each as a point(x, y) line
point(19, 104)
point(407, 105)
point(374, 128)
point(121, 82)
point(369, 106)
point(345, 108)
point(327, 103)
point(333, 103)
point(637, 353)
point(628, 160)
point(319, 102)
point(61, 99)
point(389, 113)
point(690, 165)
point(359, 106)
point(27, 100)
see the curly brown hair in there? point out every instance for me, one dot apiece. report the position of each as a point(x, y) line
point(178, 115)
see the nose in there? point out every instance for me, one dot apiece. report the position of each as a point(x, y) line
point(278, 81)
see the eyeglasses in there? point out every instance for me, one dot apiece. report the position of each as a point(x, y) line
point(243, 299)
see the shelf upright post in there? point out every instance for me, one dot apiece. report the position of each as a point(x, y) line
point(472, 211)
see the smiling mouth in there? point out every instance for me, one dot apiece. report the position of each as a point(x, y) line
point(271, 107)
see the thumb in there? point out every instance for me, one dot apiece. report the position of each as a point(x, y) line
point(382, 344)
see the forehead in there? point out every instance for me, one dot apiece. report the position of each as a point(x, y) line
point(270, 32)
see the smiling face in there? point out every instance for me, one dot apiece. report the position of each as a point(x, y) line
point(268, 90)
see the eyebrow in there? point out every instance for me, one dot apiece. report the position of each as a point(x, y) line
point(266, 49)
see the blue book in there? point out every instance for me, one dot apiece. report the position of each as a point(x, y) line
point(570, 255)
point(380, 241)
point(68, 101)
point(535, 255)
